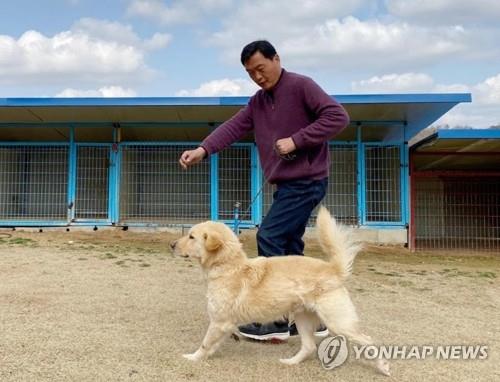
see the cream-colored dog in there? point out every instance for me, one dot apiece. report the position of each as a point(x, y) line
point(242, 290)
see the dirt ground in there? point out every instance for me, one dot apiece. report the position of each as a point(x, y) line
point(114, 305)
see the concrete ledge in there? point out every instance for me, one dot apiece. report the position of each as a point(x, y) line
point(367, 235)
point(376, 236)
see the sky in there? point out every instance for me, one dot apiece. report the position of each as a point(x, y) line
point(159, 48)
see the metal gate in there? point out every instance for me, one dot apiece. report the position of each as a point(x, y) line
point(382, 195)
point(92, 183)
point(33, 184)
point(234, 183)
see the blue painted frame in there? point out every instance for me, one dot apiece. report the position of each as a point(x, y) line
point(402, 181)
point(36, 223)
point(111, 187)
point(255, 181)
point(253, 188)
point(214, 187)
point(257, 186)
point(72, 176)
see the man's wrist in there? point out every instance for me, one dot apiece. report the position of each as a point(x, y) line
point(205, 153)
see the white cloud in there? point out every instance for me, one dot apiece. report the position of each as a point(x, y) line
point(178, 12)
point(106, 91)
point(470, 115)
point(223, 87)
point(354, 43)
point(395, 83)
point(104, 30)
point(158, 41)
point(92, 52)
point(483, 112)
point(451, 88)
point(65, 53)
point(278, 21)
point(359, 36)
point(446, 11)
point(345, 44)
point(488, 91)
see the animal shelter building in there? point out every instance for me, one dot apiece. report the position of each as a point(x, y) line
point(114, 162)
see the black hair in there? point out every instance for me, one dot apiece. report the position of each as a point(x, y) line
point(261, 46)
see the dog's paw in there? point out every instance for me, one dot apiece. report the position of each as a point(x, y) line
point(383, 367)
point(192, 357)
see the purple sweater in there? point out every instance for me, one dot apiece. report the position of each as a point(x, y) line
point(296, 107)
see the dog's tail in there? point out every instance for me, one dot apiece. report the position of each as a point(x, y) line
point(337, 242)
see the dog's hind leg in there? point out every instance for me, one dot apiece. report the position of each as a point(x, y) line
point(381, 364)
point(216, 333)
point(306, 323)
point(337, 312)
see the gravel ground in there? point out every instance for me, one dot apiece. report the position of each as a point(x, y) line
point(116, 306)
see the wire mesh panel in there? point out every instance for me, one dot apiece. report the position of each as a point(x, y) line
point(154, 188)
point(235, 182)
point(383, 184)
point(92, 183)
point(457, 213)
point(342, 194)
point(33, 183)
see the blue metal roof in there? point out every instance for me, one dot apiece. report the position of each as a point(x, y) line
point(222, 101)
point(412, 112)
point(458, 149)
point(468, 134)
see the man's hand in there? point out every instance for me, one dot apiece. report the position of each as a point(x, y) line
point(285, 146)
point(190, 157)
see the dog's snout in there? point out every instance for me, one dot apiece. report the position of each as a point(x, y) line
point(173, 244)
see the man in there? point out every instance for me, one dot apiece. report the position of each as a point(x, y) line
point(292, 119)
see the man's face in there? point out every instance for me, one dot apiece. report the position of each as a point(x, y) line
point(263, 71)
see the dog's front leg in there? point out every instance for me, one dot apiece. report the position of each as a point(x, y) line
point(215, 335)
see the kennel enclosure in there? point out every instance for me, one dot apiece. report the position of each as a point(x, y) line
point(455, 191)
point(114, 161)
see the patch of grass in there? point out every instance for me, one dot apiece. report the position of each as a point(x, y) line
point(144, 265)
point(82, 258)
point(393, 274)
point(459, 273)
point(454, 272)
point(418, 273)
point(405, 283)
point(446, 270)
point(107, 256)
point(21, 241)
point(488, 275)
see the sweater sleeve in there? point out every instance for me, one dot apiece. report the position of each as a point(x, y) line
point(230, 131)
point(330, 117)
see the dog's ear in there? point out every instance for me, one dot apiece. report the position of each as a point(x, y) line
point(213, 241)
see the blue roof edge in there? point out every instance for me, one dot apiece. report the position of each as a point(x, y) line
point(467, 133)
point(229, 101)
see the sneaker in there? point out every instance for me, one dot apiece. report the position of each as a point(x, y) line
point(277, 330)
point(322, 331)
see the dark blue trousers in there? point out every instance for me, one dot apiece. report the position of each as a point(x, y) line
point(284, 225)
